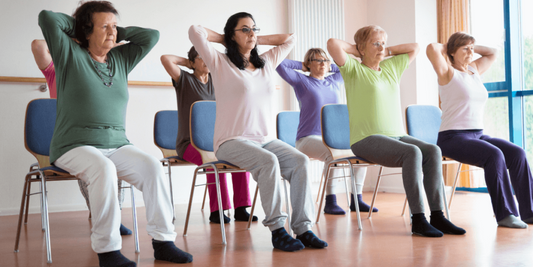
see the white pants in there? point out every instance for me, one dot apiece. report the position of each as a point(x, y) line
point(100, 169)
point(313, 147)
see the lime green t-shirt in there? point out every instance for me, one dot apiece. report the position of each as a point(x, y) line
point(374, 97)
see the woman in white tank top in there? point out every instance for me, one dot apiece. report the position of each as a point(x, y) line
point(461, 137)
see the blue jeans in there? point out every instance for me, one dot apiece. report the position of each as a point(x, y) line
point(495, 156)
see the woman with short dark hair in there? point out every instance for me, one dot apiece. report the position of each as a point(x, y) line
point(461, 136)
point(89, 138)
point(244, 136)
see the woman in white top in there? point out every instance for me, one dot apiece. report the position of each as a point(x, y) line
point(244, 91)
point(461, 137)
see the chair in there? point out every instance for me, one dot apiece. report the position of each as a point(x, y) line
point(165, 134)
point(423, 122)
point(336, 137)
point(38, 131)
point(202, 129)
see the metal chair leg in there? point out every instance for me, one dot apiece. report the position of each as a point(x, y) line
point(346, 186)
point(190, 202)
point(220, 210)
point(205, 194)
point(287, 200)
point(320, 184)
point(454, 185)
point(326, 179)
point(354, 189)
point(135, 225)
point(21, 213)
point(404, 206)
point(375, 192)
point(171, 191)
point(28, 192)
point(46, 219)
point(253, 208)
point(445, 201)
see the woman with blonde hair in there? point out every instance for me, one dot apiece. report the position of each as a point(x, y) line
point(313, 92)
point(376, 125)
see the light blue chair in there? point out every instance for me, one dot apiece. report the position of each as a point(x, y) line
point(38, 131)
point(336, 137)
point(165, 134)
point(423, 122)
point(202, 130)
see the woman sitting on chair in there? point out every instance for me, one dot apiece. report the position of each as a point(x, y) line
point(461, 137)
point(89, 138)
point(376, 125)
point(313, 92)
point(189, 89)
point(244, 89)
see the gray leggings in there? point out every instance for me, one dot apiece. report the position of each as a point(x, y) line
point(268, 163)
point(421, 166)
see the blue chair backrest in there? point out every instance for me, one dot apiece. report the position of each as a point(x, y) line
point(336, 126)
point(287, 126)
point(39, 125)
point(166, 128)
point(423, 122)
point(203, 116)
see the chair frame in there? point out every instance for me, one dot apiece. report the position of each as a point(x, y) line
point(42, 171)
point(211, 165)
point(170, 159)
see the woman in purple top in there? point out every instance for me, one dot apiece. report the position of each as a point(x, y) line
point(313, 92)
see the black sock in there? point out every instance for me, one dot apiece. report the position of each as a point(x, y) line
point(242, 215)
point(215, 217)
point(363, 207)
point(282, 240)
point(167, 251)
point(331, 206)
point(311, 240)
point(421, 227)
point(114, 259)
point(440, 222)
point(124, 230)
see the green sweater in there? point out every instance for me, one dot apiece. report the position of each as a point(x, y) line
point(374, 97)
point(88, 112)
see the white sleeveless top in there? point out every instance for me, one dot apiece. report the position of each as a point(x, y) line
point(463, 101)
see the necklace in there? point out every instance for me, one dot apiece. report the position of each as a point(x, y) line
point(105, 73)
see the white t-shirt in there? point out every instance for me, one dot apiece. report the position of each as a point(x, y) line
point(244, 98)
point(463, 101)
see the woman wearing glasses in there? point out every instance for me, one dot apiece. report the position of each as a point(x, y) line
point(376, 125)
point(461, 135)
point(313, 92)
point(244, 136)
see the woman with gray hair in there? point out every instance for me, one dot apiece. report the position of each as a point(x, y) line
point(313, 92)
point(376, 125)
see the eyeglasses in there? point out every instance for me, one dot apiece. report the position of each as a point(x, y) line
point(247, 30)
point(378, 44)
point(320, 61)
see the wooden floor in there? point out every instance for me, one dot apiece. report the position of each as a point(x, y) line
point(384, 241)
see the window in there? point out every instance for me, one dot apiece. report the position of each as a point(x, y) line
point(507, 25)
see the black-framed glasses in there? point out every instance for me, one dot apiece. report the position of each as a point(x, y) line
point(320, 61)
point(247, 30)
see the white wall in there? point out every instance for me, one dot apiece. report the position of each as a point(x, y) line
point(172, 18)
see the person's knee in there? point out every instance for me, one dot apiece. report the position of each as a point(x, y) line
point(413, 152)
point(434, 151)
point(301, 160)
point(495, 157)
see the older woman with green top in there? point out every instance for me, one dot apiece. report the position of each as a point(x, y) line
point(376, 125)
point(89, 138)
